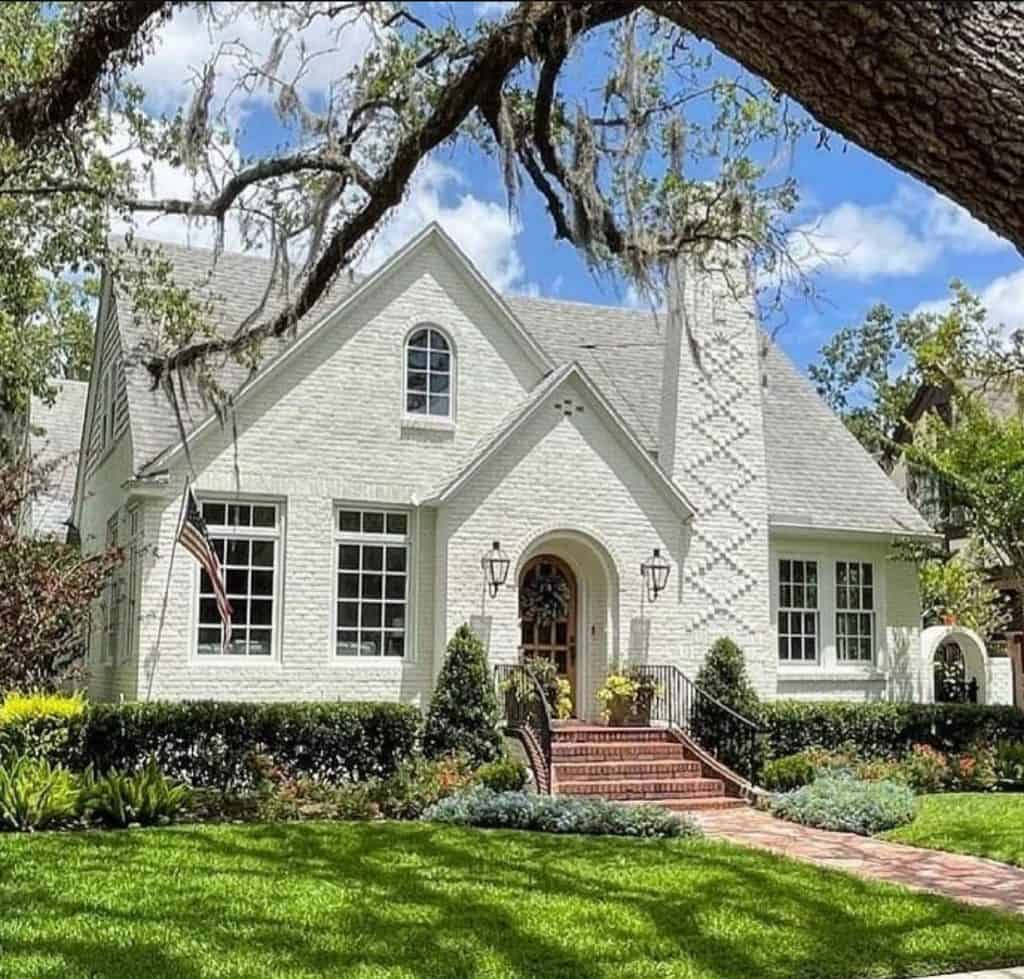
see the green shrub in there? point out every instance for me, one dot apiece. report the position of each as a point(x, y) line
point(421, 782)
point(37, 724)
point(503, 775)
point(785, 774)
point(206, 744)
point(463, 713)
point(847, 804)
point(20, 707)
point(37, 795)
point(145, 797)
point(306, 799)
point(724, 677)
point(1009, 762)
point(557, 814)
point(884, 730)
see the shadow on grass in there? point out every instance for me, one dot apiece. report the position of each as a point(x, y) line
point(418, 900)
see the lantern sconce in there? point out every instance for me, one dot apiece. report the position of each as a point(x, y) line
point(495, 564)
point(655, 571)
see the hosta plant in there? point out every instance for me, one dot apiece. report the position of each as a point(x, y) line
point(37, 795)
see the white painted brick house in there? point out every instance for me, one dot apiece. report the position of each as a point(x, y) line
point(416, 418)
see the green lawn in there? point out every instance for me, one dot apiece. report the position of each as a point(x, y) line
point(413, 900)
point(990, 825)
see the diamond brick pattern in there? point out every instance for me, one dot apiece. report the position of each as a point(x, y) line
point(635, 764)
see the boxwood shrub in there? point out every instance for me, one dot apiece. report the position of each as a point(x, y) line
point(884, 730)
point(208, 744)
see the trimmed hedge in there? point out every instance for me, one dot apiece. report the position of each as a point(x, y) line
point(208, 744)
point(884, 730)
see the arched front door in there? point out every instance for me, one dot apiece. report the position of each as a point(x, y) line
point(548, 615)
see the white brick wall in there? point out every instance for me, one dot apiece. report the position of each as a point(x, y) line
point(712, 441)
point(327, 429)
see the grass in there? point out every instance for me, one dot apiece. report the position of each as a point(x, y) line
point(990, 825)
point(414, 900)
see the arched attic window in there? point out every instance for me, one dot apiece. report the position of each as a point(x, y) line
point(429, 373)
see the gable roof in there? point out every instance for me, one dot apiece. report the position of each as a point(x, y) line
point(493, 442)
point(819, 476)
point(54, 437)
point(234, 287)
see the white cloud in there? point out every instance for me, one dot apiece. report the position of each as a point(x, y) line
point(1003, 299)
point(861, 243)
point(493, 8)
point(189, 40)
point(900, 238)
point(484, 230)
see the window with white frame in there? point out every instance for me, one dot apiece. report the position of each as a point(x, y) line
point(855, 612)
point(247, 540)
point(371, 582)
point(798, 611)
point(428, 374)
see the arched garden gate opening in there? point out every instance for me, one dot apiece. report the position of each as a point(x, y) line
point(954, 666)
point(568, 611)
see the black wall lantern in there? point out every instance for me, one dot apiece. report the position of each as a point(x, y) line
point(495, 565)
point(655, 572)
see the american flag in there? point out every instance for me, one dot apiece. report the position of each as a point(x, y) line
point(195, 539)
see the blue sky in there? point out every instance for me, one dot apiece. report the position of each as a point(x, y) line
point(888, 237)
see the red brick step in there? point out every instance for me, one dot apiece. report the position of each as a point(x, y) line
point(593, 771)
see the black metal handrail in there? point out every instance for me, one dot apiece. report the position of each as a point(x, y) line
point(716, 727)
point(526, 712)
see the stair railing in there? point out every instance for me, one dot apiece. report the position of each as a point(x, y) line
point(721, 731)
point(527, 715)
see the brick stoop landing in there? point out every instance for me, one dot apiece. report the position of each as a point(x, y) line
point(638, 765)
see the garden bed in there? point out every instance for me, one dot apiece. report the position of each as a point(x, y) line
point(400, 899)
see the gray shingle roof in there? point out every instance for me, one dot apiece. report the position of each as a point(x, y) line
point(818, 474)
point(56, 437)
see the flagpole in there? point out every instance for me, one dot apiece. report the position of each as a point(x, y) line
point(167, 589)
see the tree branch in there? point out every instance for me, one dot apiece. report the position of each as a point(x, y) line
point(478, 82)
point(107, 32)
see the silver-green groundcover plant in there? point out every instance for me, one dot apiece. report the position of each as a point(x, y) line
point(847, 804)
point(557, 814)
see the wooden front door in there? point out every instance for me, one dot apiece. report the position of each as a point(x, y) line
point(547, 612)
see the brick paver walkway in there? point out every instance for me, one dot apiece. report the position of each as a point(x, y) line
point(954, 875)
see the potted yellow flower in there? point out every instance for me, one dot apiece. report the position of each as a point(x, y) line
point(627, 698)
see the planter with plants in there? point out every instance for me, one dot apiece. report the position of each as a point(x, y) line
point(626, 698)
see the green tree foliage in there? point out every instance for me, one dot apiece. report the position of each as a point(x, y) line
point(463, 713)
point(47, 594)
point(958, 586)
point(869, 373)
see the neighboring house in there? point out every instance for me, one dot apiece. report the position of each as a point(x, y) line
point(52, 441)
point(356, 488)
point(944, 511)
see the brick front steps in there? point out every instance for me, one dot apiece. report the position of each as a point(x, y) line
point(637, 765)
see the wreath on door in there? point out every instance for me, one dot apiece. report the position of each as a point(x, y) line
point(544, 598)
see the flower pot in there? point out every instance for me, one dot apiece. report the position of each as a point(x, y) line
point(619, 711)
point(639, 715)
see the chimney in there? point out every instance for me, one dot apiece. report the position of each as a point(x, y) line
point(712, 445)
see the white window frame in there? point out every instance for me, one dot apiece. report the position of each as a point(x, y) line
point(135, 550)
point(803, 610)
point(278, 534)
point(842, 637)
point(113, 600)
point(425, 417)
point(382, 539)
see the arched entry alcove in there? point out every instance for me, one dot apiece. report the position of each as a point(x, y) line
point(585, 636)
point(954, 665)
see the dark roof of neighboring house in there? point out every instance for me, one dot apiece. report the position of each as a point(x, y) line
point(55, 436)
point(818, 474)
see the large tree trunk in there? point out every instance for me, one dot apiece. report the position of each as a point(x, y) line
point(935, 88)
